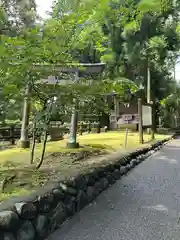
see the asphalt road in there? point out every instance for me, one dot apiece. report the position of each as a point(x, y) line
point(145, 204)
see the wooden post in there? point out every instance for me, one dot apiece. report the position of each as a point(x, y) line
point(140, 121)
point(126, 138)
point(89, 127)
point(175, 120)
point(12, 135)
point(150, 102)
point(148, 87)
point(115, 110)
point(153, 121)
point(81, 129)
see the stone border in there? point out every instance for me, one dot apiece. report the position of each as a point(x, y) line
point(38, 215)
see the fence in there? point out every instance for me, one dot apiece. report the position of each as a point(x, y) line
point(13, 133)
point(10, 133)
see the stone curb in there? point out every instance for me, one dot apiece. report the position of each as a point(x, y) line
point(38, 215)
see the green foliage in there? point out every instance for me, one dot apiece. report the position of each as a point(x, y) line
point(170, 108)
point(129, 36)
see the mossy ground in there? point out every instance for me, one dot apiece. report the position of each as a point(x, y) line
point(61, 162)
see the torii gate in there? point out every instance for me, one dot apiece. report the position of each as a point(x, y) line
point(77, 69)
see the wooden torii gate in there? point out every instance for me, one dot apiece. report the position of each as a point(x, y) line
point(77, 69)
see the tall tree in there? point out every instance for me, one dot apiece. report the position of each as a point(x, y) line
point(19, 14)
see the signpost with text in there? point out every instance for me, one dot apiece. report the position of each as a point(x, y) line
point(143, 118)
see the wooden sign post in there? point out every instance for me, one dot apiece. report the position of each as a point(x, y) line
point(140, 121)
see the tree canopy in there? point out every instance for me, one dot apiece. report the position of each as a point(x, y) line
point(132, 37)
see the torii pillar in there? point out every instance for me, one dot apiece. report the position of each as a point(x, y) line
point(24, 141)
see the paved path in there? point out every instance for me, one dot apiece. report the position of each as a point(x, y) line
point(145, 204)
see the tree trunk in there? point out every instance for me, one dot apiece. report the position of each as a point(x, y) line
point(148, 84)
point(47, 122)
point(34, 143)
point(43, 150)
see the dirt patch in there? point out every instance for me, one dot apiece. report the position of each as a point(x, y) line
point(77, 156)
point(57, 166)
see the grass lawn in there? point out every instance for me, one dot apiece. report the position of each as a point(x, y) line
point(60, 162)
